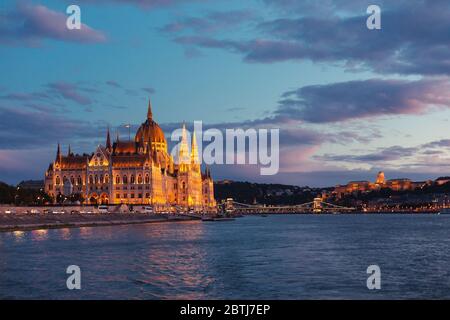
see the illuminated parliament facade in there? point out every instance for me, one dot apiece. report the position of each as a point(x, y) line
point(139, 172)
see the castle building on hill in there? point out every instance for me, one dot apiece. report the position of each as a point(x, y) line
point(380, 183)
point(139, 172)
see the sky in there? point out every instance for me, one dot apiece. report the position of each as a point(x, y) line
point(348, 101)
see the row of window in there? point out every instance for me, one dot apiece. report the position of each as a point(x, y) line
point(79, 181)
point(96, 179)
point(105, 179)
point(147, 187)
point(132, 195)
point(124, 179)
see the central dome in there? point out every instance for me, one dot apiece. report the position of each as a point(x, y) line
point(150, 132)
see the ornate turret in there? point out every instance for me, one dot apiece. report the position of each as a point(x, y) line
point(183, 153)
point(69, 152)
point(194, 150)
point(195, 162)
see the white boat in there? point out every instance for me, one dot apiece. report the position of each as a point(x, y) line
point(103, 209)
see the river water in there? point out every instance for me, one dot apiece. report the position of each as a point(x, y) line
point(275, 257)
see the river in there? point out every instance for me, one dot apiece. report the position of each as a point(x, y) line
point(274, 257)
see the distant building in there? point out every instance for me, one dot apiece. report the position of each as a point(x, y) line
point(442, 180)
point(380, 178)
point(399, 184)
point(31, 184)
point(380, 183)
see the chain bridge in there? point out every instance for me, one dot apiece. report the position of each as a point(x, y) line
point(315, 206)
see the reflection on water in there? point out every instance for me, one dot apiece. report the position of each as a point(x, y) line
point(278, 257)
point(65, 233)
point(86, 232)
point(18, 235)
point(187, 274)
point(40, 235)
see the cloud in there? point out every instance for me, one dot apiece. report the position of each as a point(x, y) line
point(431, 153)
point(69, 91)
point(21, 96)
point(113, 83)
point(443, 143)
point(22, 129)
point(30, 24)
point(149, 90)
point(329, 7)
point(383, 154)
point(363, 99)
point(144, 4)
point(413, 40)
point(212, 22)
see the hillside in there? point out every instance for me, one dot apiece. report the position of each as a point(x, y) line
point(250, 193)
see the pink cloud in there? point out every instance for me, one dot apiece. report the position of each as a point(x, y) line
point(30, 24)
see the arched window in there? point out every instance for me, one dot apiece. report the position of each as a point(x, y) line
point(79, 181)
point(139, 179)
point(96, 179)
point(101, 179)
point(72, 180)
point(132, 178)
point(117, 179)
point(107, 179)
point(147, 179)
point(183, 185)
point(125, 179)
point(58, 180)
point(91, 180)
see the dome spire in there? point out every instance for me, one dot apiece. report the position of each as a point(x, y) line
point(149, 111)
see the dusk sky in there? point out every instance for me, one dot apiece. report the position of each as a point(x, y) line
point(349, 101)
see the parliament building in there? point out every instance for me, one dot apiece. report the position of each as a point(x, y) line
point(139, 172)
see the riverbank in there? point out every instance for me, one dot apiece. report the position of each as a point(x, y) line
point(26, 222)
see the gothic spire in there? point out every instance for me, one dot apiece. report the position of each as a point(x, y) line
point(69, 152)
point(108, 141)
point(58, 153)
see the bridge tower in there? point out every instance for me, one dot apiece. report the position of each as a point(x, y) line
point(229, 206)
point(317, 205)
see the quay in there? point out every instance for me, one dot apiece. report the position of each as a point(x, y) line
point(34, 218)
